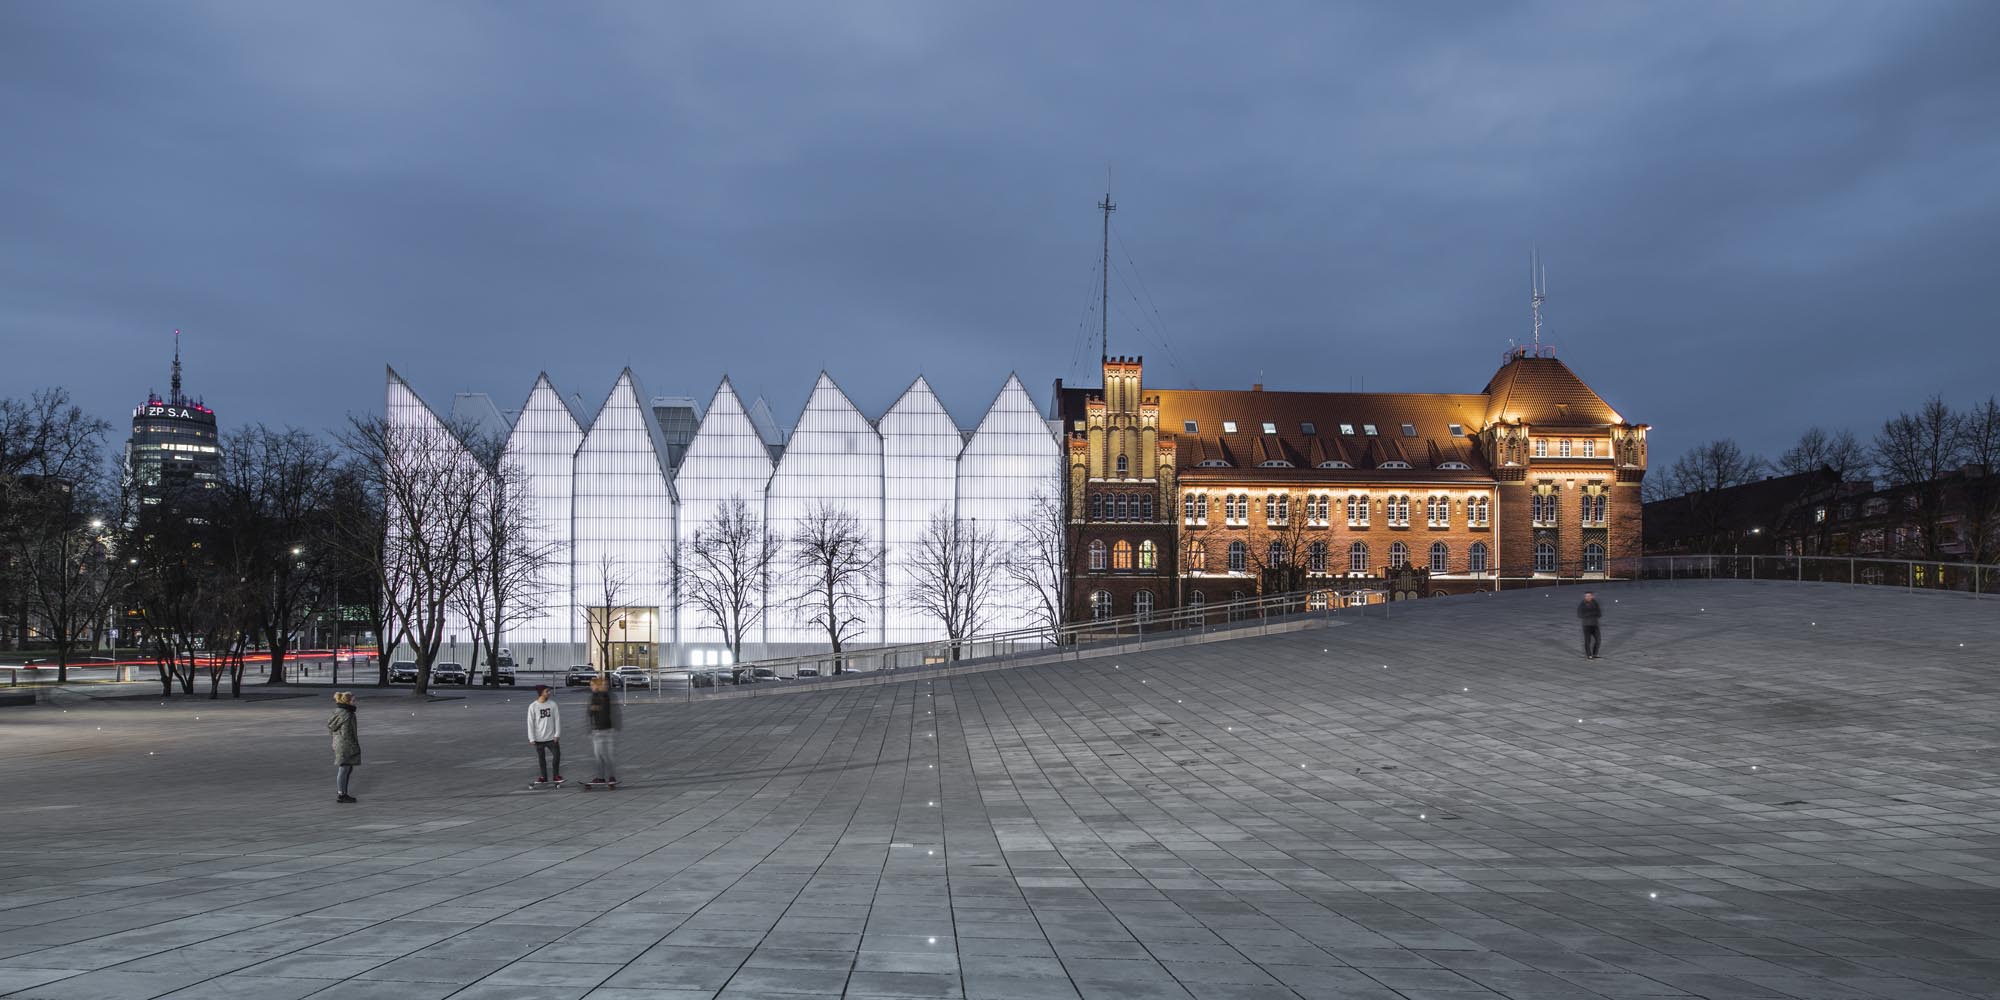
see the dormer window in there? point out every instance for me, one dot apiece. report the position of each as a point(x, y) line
point(1188, 426)
point(1455, 466)
point(1394, 465)
point(1409, 430)
point(1347, 429)
point(1229, 427)
point(1368, 429)
point(1276, 463)
point(1334, 463)
point(1308, 429)
point(1270, 428)
point(1211, 463)
point(1457, 430)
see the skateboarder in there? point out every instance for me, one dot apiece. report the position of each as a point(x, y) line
point(346, 743)
point(545, 732)
point(1589, 612)
point(603, 731)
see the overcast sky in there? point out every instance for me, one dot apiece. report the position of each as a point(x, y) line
point(1754, 216)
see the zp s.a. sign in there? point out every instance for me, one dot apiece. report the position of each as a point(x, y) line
point(170, 412)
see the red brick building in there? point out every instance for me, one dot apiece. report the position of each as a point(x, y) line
point(1186, 497)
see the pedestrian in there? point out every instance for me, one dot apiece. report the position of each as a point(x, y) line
point(545, 732)
point(603, 731)
point(1588, 612)
point(346, 743)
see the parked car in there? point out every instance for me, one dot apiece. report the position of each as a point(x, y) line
point(403, 670)
point(627, 677)
point(582, 673)
point(449, 673)
point(498, 672)
point(808, 672)
point(763, 674)
point(704, 678)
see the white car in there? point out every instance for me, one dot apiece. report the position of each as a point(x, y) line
point(632, 677)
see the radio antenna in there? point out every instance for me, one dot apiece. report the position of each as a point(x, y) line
point(1538, 292)
point(177, 366)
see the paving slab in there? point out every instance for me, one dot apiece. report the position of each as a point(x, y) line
point(1760, 790)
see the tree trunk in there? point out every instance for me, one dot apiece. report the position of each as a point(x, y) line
point(277, 675)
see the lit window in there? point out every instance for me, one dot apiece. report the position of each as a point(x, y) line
point(1541, 448)
point(1398, 509)
point(1121, 554)
point(1229, 427)
point(1478, 512)
point(1198, 557)
point(1454, 466)
point(1334, 463)
point(1277, 509)
point(1457, 430)
point(1236, 508)
point(1368, 429)
point(1347, 429)
point(1270, 428)
point(1437, 511)
point(1188, 426)
point(1357, 510)
point(1409, 430)
point(1149, 555)
point(1100, 604)
point(1308, 429)
point(1440, 557)
point(1394, 464)
point(1239, 555)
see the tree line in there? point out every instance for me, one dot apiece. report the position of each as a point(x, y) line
point(1915, 452)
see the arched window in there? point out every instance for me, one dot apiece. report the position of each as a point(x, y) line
point(1197, 599)
point(1197, 557)
point(1236, 508)
point(1121, 554)
point(1239, 555)
point(1399, 511)
point(1121, 506)
point(1194, 508)
point(1097, 506)
point(1357, 510)
point(1475, 558)
point(1145, 506)
point(1124, 465)
point(1357, 557)
point(1593, 558)
point(1545, 557)
point(1437, 512)
point(1316, 557)
point(1275, 555)
point(1440, 557)
point(1399, 556)
point(1478, 512)
point(1097, 553)
point(1100, 604)
point(1143, 604)
point(1149, 555)
point(1277, 508)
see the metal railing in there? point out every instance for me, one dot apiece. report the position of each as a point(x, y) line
point(1177, 626)
point(1974, 579)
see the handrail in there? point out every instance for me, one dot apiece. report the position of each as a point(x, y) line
point(1975, 579)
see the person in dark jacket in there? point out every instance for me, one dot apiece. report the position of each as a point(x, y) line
point(1588, 612)
point(346, 732)
point(603, 731)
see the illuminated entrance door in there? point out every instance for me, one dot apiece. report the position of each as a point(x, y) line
point(623, 637)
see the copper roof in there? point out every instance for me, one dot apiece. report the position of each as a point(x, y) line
point(1543, 391)
point(1429, 414)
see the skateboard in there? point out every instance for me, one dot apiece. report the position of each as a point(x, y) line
point(607, 785)
point(558, 783)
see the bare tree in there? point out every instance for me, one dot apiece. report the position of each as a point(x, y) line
point(723, 569)
point(49, 449)
point(429, 484)
point(356, 535)
point(838, 571)
point(1915, 452)
point(608, 612)
point(1038, 564)
point(1278, 554)
point(509, 555)
point(1701, 479)
point(274, 509)
point(955, 569)
point(178, 583)
point(1979, 447)
point(1836, 457)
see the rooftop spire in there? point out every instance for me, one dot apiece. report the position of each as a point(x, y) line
point(1538, 292)
point(177, 366)
point(1107, 206)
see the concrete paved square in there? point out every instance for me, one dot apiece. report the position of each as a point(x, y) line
point(1761, 791)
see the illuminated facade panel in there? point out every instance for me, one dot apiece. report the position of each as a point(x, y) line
point(832, 462)
point(920, 446)
point(541, 451)
point(1011, 459)
point(622, 524)
point(728, 459)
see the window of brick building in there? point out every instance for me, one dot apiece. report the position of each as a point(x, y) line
point(1194, 508)
point(1121, 554)
point(1357, 557)
point(1239, 556)
point(1316, 557)
point(1278, 509)
point(1437, 511)
point(1440, 557)
point(1357, 510)
point(1197, 557)
point(1149, 555)
point(1475, 558)
point(1545, 557)
point(1099, 556)
point(1398, 510)
point(1399, 556)
point(1100, 604)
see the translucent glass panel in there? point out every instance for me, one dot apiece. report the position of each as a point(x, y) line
point(1010, 458)
point(833, 458)
point(623, 513)
point(413, 424)
point(920, 446)
point(727, 458)
point(542, 451)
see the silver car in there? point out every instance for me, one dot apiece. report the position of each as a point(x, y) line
point(632, 677)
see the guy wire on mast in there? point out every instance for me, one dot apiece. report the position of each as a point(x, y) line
point(1107, 206)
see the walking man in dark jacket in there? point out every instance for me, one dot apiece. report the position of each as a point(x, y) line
point(603, 732)
point(1588, 612)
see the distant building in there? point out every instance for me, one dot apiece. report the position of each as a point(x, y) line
point(1198, 496)
point(174, 448)
point(1814, 514)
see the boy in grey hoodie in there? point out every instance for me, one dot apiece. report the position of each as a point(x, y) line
point(545, 732)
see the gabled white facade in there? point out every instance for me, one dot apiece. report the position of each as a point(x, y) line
point(606, 494)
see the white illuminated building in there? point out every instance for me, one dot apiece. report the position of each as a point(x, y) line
point(613, 499)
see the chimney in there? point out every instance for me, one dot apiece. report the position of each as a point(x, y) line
point(1256, 387)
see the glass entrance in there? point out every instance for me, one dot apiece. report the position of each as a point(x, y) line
point(623, 637)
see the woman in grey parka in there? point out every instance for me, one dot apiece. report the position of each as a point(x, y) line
point(346, 743)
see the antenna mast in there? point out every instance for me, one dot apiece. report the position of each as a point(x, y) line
point(1107, 206)
point(1538, 292)
point(177, 366)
